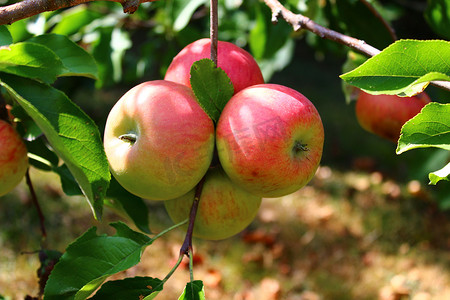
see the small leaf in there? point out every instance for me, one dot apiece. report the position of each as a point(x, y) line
point(193, 291)
point(5, 36)
point(76, 61)
point(429, 128)
point(211, 86)
point(404, 68)
point(32, 61)
point(442, 174)
point(183, 11)
point(90, 259)
point(70, 132)
point(73, 19)
point(130, 288)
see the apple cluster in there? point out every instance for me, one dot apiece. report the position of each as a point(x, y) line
point(160, 143)
point(13, 158)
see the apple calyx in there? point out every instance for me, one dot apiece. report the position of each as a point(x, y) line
point(299, 148)
point(129, 138)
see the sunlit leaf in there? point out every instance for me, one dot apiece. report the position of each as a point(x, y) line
point(70, 132)
point(193, 291)
point(130, 288)
point(442, 174)
point(90, 259)
point(405, 68)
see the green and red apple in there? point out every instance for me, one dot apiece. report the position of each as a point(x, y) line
point(238, 64)
point(224, 209)
point(269, 140)
point(384, 115)
point(158, 140)
point(13, 158)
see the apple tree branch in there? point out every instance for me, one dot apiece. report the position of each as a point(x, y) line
point(28, 8)
point(299, 21)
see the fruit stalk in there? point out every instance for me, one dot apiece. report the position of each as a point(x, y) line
point(36, 204)
point(214, 25)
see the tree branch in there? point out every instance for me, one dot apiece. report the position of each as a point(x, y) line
point(299, 22)
point(28, 8)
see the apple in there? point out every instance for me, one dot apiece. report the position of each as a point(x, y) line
point(158, 140)
point(269, 140)
point(224, 208)
point(238, 64)
point(13, 158)
point(384, 115)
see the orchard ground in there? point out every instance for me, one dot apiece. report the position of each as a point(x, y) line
point(366, 227)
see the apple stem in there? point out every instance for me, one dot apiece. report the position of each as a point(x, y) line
point(214, 25)
point(186, 248)
point(36, 204)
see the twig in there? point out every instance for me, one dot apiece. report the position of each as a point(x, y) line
point(28, 8)
point(36, 204)
point(299, 21)
point(380, 17)
point(186, 248)
point(214, 29)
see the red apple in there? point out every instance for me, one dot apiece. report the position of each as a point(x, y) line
point(239, 65)
point(384, 115)
point(224, 208)
point(158, 140)
point(270, 140)
point(13, 158)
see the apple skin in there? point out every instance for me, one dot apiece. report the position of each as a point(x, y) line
point(13, 158)
point(174, 140)
point(238, 64)
point(224, 208)
point(384, 115)
point(270, 140)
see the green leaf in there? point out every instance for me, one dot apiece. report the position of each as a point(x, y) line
point(5, 36)
point(183, 11)
point(132, 205)
point(73, 19)
point(70, 132)
point(41, 156)
point(193, 291)
point(32, 61)
point(76, 61)
point(130, 288)
point(442, 174)
point(211, 86)
point(429, 128)
point(89, 260)
point(68, 183)
point(437, 15)
point(258, 34)
point(404, 68)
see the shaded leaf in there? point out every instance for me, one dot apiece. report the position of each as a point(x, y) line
point(5, 36)
point(437, 15)
point(76, 61)
point(130, 288)
point(211, 86)
point(90, 259)
point(70, 132)
point(404, 68)
point(73, 19)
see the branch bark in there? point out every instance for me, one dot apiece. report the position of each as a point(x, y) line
point(299, 22)
point(28, 8)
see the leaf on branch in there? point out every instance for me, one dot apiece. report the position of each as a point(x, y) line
point(70, 132)
point(76, 61)
point(31, 60)
point(442, 174)
point(193, 291)
point(429, 128)
point(130, 288)
point(404, 68)
point(211, 86)
point(437, 15)
point(90, 259)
